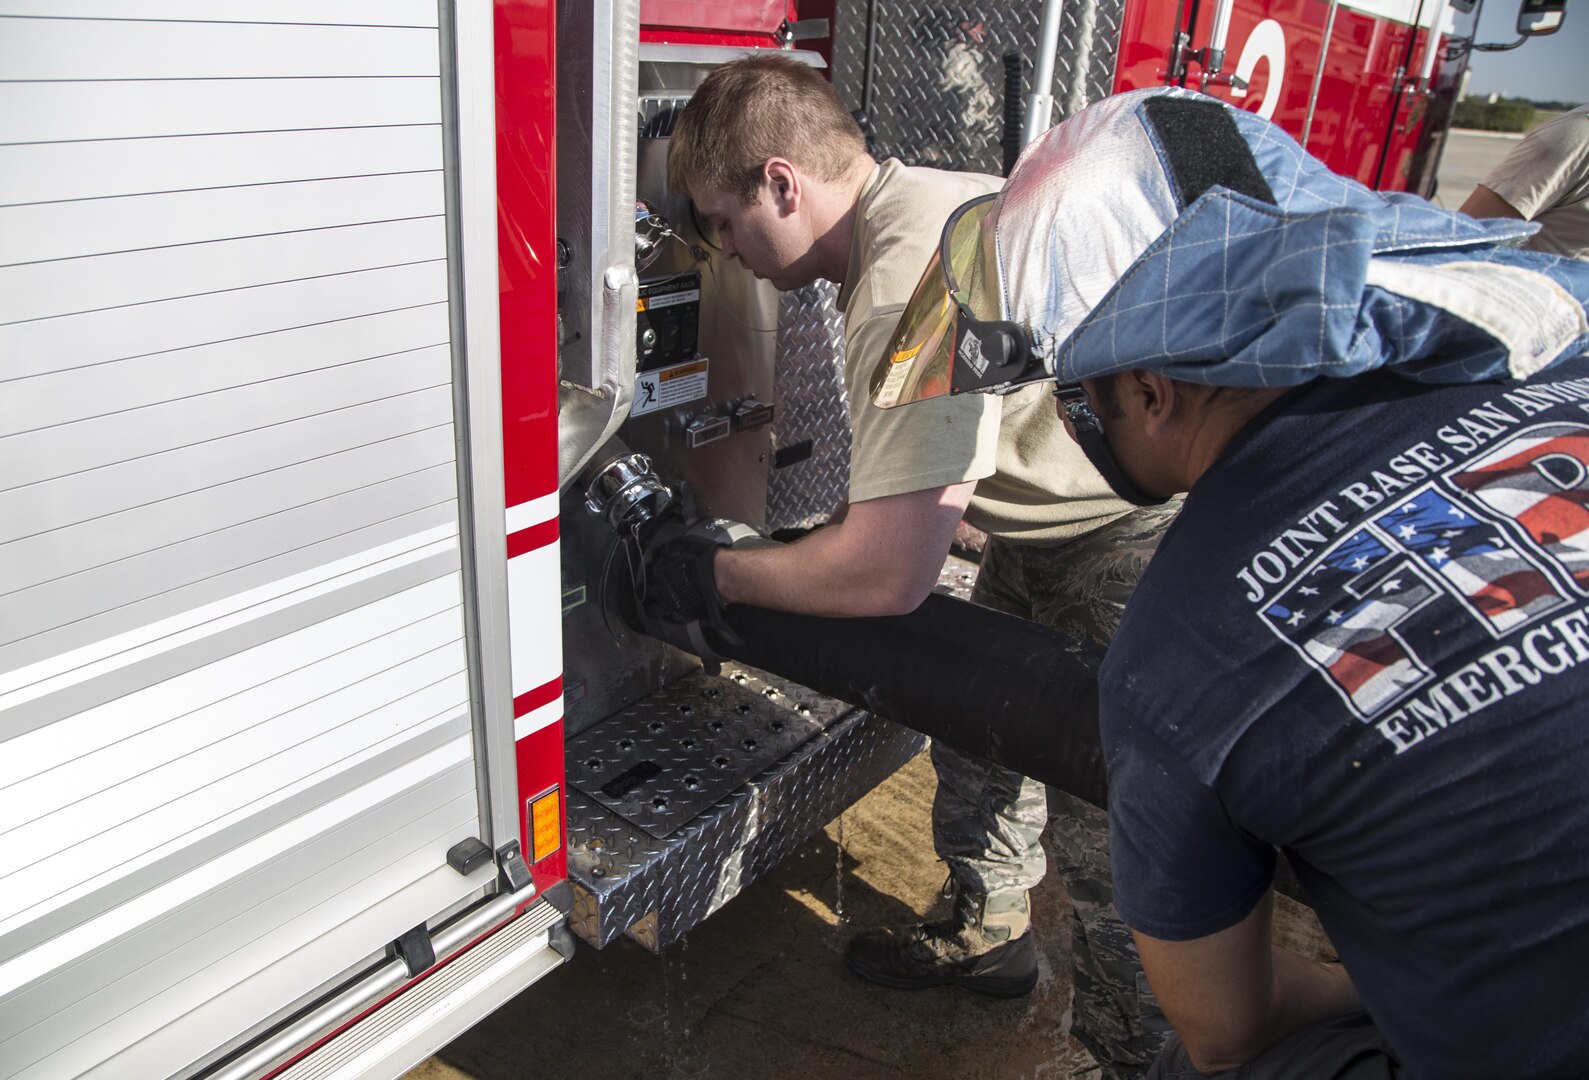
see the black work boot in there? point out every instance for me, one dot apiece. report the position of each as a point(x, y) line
point(985, 945)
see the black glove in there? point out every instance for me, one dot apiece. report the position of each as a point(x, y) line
point(679, 584)
point(677, 596)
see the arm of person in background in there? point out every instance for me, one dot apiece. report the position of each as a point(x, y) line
point(1545, 170)
point(1484, 203)
point(881, 558)
point(1233, 994)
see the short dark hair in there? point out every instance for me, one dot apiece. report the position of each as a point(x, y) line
point(761, 106)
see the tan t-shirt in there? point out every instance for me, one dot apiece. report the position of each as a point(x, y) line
point(1035, 485)
point(1546, 179)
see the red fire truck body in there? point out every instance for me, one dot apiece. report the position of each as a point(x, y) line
point(320, 731)
point(1352, 81)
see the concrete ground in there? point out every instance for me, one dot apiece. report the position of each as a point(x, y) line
point(1468, 156)
point(760, 989)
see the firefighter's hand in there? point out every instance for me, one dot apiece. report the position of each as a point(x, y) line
point(678, 597)
point(679, 584)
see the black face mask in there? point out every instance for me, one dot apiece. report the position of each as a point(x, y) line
point(1090, 436)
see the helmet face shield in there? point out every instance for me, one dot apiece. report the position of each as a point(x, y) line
point(952, 337)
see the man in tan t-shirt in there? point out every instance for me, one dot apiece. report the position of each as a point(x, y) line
point(1545, 179)
point(778, 168)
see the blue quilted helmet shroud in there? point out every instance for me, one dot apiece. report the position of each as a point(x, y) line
point(1260, 266)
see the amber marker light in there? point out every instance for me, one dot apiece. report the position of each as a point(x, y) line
point(546, 824)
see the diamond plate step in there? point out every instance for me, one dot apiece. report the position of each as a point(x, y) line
point(629, 879)
point(663, 760)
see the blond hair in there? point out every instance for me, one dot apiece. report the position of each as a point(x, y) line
point(762, 106)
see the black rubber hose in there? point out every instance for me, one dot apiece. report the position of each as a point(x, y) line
point(1019, 694)
point(1014, 107)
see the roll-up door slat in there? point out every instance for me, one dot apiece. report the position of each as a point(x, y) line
point(95, 282)
point(119, 333)
point(61, 49)
point(155, 500)
point(34, 408)
point(48, 231)
point(73, 112)
point(356, 12)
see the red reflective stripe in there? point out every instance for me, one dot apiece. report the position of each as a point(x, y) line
point(534, 699)
point(536, 536)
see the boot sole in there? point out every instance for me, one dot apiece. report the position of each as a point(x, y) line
point(992, 986)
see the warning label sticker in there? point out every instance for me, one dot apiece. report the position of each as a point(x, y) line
point(670, 386)
point(662, 300)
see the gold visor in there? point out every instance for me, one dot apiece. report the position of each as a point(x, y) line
point(919, 361)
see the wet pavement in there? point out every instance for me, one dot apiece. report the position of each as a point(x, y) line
point(760, 989)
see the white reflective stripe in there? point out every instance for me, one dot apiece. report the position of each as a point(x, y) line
point(58, 672)
point(536, 719)
point(1432, 45)
point(62, 950)
point(535, 617)
point(526, 514)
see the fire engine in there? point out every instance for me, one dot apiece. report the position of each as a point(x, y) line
point(338, 340)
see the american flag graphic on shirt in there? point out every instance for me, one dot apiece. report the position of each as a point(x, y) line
point(1342, 614)
point(1484, 566)
point(1348, 611)
point(1537, 479)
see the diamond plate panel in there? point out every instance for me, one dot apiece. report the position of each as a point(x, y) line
point(956, 578)
point(814, 406)
point(934, 94)
point(660, 762)
point(657, 889)
point(936, 99)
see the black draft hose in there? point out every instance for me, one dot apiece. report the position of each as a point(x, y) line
point(1016, 693)
point(1012, 691)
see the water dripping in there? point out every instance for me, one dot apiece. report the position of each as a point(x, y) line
point(838, 869)
point(681, 1057)
point(667, 999)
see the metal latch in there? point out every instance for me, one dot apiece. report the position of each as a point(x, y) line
point(751, 414)
point(805, 30)
point(705, 429)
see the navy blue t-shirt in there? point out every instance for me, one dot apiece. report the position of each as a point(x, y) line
point(1365, 641)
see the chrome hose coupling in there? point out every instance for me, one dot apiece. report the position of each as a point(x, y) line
point(626, 494)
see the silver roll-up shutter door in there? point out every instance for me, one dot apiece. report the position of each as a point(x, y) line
point(235, 733)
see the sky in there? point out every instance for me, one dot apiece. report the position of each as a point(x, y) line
point(1553, 68)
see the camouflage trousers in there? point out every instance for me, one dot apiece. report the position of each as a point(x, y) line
point(988, 821)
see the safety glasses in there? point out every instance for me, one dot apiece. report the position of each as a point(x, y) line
point(1090, 437)
point(952, 337)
